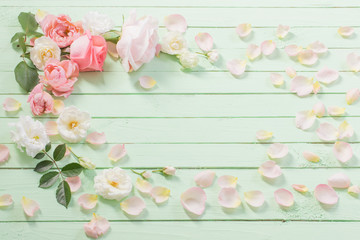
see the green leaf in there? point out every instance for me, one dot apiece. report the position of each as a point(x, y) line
point(22, 44)
point(48, 147)
point(43, 166)
point(71, 170)
point(40, 155)
point(17, 36)
point(63, 194)
point(37, 34)
point(48, 179)
point(26, 76)
point(28, 22)
point(111, 37)
point(59, 152)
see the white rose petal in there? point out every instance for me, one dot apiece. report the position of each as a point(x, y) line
point(43, 50)
point(173, 43)
point(97, 23)
point(188, 59)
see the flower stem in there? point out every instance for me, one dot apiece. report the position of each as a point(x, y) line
point(62, 177)
point(140, 174)
point(76, 156)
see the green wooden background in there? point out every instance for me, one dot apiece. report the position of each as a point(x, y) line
point(198, 120)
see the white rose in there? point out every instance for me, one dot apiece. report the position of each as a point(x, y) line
point(169, 170)
point(113, 184)
point(213, 56)
point(86, 163)
point(97, 23)
point(29, 134)
point(43, 50)
point(73, 124)
point(188, 59)
point(173, 43)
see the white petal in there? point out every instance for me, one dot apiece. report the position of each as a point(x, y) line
point(316, 87)
point(277, 150)
point(229, 198)
point(318, 47)
point(284, 197)
point(276, 79)
point(147, 82)
point(117, 152)
point(6, 200)
point(133, 206)
point(175, 23)
point(293, 50)
point(30, 206)
point(227, 181)
point(327, 132)
point(193, 200)
point(319, 109)
point(143, 186)
point(300, 188)
point(160, 194)
point(346, 31)
point(268, 47)
point(58, 107)
point(204, 41)
point(336, 111)
point(311, 157)
point(345, 130)
point(307, 57)
point(326, 75)
point(270, 169)
point(11, 105)
point(282, 31)
point(254, 198)
point(353, 61)
point(352, 95)
point(74, 183)
point(263, 135)
point(339, 180)
point(343, 151)
point(236, 67)
point(88, 201)
point(253, 51)
point(96, 138)
point(243, 30)
point(205, 178)
point(326, 194)
point(305, 119)
point(301, 85)
point(97, 227)
point(355, 189)
point(290, 72)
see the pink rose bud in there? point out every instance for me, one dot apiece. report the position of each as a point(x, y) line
point(40, 101)
point(169, 170)
point(147, 174)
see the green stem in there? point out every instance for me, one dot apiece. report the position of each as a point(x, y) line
point(140, 174)
point(62, 177)
point(157, 170)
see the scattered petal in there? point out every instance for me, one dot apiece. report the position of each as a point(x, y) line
point(277, 150)
point(30, 206)
point(352, 95)
point(4, 153)
point(204, 41)
point(229, 198)
point(268, 47)
point(253, 51)
point(51, 128)
point(282, 31)
point(305, 119)
point(307, 57)
point(175, 23)
point(290, 72)
point(326, 75)
point(300, 188)
point(316, 87)
point(117, 152)
point(88, 201)
point(236, 67)
point(325, 194)
point(6, 200)
point(345, 130)
point(276, 79)
point(301, 85)
point(143, 186)
point(74, 183)
point(97, 227)
point(353, 61)
point(319, 109)
point(311, 157)
point(318, 47)
point(133, 206)
point(193, 200)
point(270, 169)
point(254, 198)
point(11, 105)
point(343, 151)
point(263, 135)
point(205, 178)
point(336, 111)
point(96, 138)
point(284, 197)
point(227, 181)
point(346, 31)
point(58, 107)
point(293, 50)
point(327, 132)
point(147, 82)
point(355, 189)
point(243, 30)
point(339, 180)
point(160, 194)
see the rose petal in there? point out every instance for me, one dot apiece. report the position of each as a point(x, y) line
point(268, 47)
point(327, 75)
point(282, 31)
point(346, 31)
point(133, 206)
point(51, 128)
point(352, 95)
point(339, 180)
point(11, 105)
point(227, 181)
point(6, 200)
point(175, 23)
point(345, 130)
point(253, 51)
point(4, 153)
point(327, 132)
point(236, 67)
point(353, 61)
point(290, 72)
point(311, 157)
point(243, 30)
point(117, 152)
point(229, 198)
point(263, 135)
point(318, 47)
point(74, 183)
point(143, 186)
point(254, 198)
point(325, 194)
point(111, 48)
point(58, 107)
point(293, 50)
point(301, 85)
point(305, 119)
point(193, 200)
point(88, 201)
point(97, 227)
point(319, 109)
point(30, 206)
point(270, 169)
point(316, 87)
point(300, 188)
point(355, 189)
point(336, 111)
point(96, 138)
point(277, 150)
point(204, 41)
point(342, 151)
point(205, 178)
point(158, 50)
point(307, 57)
point(284, 197)
point(147, 82)
point(276, 79)
point(160, 194)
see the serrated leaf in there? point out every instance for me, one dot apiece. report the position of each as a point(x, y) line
point(63, 194)
point(71, 170)
point(28, 22)
point(111, 37)
point(48, 147)
point(59, 152)
point(17, 36)
point(26, 76)
point(43, 166)
point(40, 155)
point(48, 179)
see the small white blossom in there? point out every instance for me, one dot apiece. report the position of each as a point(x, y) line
point(173, 43)
point(146, 174)
point(169, 170)
point(188, 59)
point(43, 50)
point(213, 56)
point(97, 23)
point(86, 163)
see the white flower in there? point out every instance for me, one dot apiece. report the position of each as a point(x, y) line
point(169, 170)
point(43, 50)
point(73, 124)
point(29, 134)
point(173, 43)
point(97, 23)
point(113, 184)
point(213, 56)
point(188, 59)
point(86, 163)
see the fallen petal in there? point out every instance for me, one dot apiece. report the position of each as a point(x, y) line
point(243, 30)
point(300, 188)
point(327, 75)
point(51, 128)
point(204, 41)
point(30, 206)
point(318, 47)
point(193, 200)
point(346, 31)
point(276, 79)
point(327, 132)
point(97, 227)
point(88, 201)
point(339, 180)
point(117, 152)
point(305, 119)
point(293, 50)
point(205, 178)
point(345, 130)
point(236, 67)
point(229, 198)
point(263, 135)
point(353, 61)
point(254, 198)
point(96, 138)
point(58, 107)
point(352, 95)
point(311, 157)
point(316, 87)
point(160, 194)
point(270, 169)
point(143, 186)
point(336, 111)
point(74, 183)
point(301, 85)
point(268, 47)
point(227, 181)
point(307, 57)
point(277, 150)
point(4, 153)
point(253, 51)
point(11, 105)
point(355, 189)
point(319, 109)
point(175, 23)
point(290, 72)
point(325, 194)
point(147, 82)
point(133, 206)
point(282, 31)
point(284, 197)
point(342, 151)
point(6, 200)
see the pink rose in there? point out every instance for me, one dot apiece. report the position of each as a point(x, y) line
point(61, 30)
point(60, 77)
point(89, 52)
point(40, 101)
point(138, 41)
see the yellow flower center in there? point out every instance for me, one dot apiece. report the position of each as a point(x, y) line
point(73, 124)
point(36, 138)
point(114, 184)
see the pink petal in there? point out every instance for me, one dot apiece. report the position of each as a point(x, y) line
point(325, 194)
point(316, 87)
point(270, 169)
point(319, 109)
point(263, 135)
point(282, 31)
point(327, 132)
point(229, 198)
point(243, 29)
point(284, 197)
point(277, 150)
point(318, 47)
point(88, 201)
point(147, 82)
point(300, 188)
point(51, 128)
point(205, 178)
point(193, 200)
point(305, 119)
point(30, 206)
point(143, 186)
point(290, 72)
point(11, 105)
point(346, 31)
point(58, 107)
point(111, 48)
point(204, 41)
point(336, 111)
point(301, 85)
point(117, 152)
point(293, 50)
point(74, 183)
point(236, 67)
point(4, 153)
point(352, 95)
point(96, 138)
point(158, 50)
point(339, 180)
point(311, 157)
point(355, 189)
point(175, 23)
point(227, 181)
point(307, 57)
point(276, 79)
point(345, 130)
point(97, 227)
point(133, 206)
point(253, 51)
point(353, 61)
point(254, 198)
point(6, 200)
point(327, 75)
point(343, 151)
point(160, 194)
point(268, 47)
